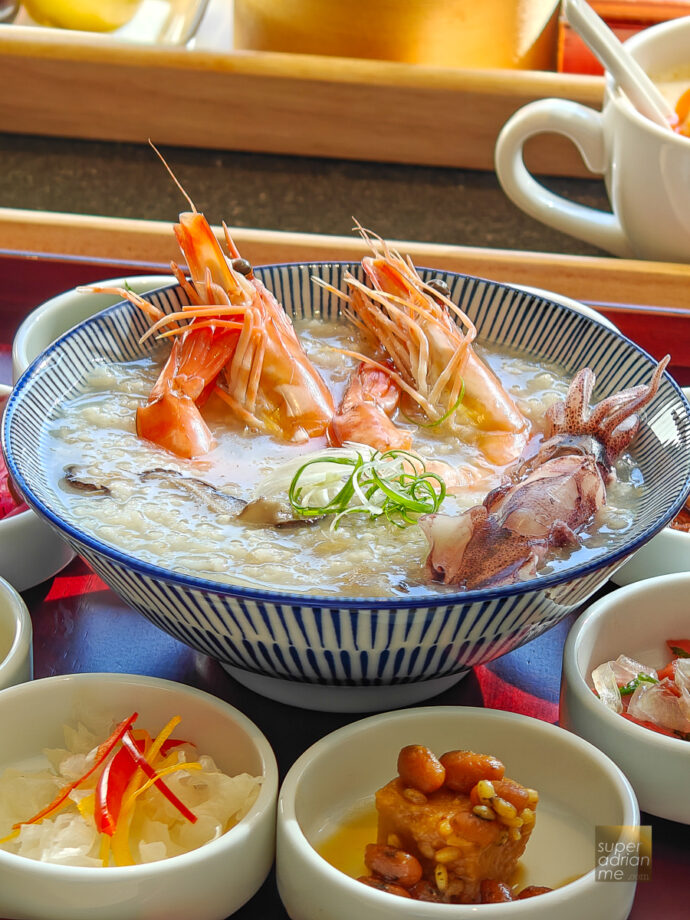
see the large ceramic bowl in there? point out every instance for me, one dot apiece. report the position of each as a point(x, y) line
point(579, 790)
point(359, 653)
point(635, 621)
point(208, 883)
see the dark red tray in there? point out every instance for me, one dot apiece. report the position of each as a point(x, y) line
point(80, 625)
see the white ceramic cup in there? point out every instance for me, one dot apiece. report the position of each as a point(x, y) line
point(646, 168)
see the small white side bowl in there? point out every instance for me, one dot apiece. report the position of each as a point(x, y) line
point(30, 550)
point(209, 883)
point(579, 789)
point(54, 317)
point(666, 553)
point(16, 638)
point(635, 621)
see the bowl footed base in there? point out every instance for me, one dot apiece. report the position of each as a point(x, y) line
point(327, 698)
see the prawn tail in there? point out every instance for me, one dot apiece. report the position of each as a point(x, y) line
point(174, 423)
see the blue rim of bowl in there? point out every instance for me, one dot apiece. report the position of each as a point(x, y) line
point(442, 599)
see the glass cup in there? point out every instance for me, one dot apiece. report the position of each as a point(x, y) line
point(83, 15)
point(8, 10)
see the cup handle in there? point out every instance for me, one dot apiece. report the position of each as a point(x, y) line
point(584, 127)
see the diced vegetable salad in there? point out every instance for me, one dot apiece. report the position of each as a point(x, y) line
point(658, 700)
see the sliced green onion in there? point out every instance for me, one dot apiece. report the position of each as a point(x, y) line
point(633, 684)
point(339, 501)
point(394, 484)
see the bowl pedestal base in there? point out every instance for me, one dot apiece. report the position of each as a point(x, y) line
point(327, 698)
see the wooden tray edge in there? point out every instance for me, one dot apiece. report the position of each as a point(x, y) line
point(588, 278)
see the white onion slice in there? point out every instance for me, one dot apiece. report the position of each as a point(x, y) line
point(656, 703)
point(627, 669)
point(605, 684)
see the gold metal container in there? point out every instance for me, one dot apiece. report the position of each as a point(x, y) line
point(443, 33)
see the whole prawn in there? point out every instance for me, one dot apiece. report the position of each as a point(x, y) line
point(233, 339)
point(427, 357)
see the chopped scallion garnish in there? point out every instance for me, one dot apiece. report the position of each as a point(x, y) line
point(394, 484)
point(633, 684)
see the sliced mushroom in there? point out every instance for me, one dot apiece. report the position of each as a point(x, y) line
point(78, 480)
point(272, 513)
point(215, 500)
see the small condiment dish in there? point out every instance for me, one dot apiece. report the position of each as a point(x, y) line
point(30, 550)
point(579, 789)
point(59, 314)
point(208, 883)
point(666, 553)
point(635, 621)
point(16, 638)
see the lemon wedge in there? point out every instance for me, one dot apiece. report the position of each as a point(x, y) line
point(84, 15)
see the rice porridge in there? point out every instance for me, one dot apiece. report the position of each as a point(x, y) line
point(146, 510)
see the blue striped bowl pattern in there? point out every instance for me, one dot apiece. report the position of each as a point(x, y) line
point(359, 641)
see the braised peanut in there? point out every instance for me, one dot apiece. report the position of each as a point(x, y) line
point(424, 891)
point(392, 864)
point(532, 891)
point(382, 885)
point(419, 767)
point(494, 892)
point(512, 792)
point(464, 769)
point(470, 827)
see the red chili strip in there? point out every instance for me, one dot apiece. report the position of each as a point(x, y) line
point(679, 647)
point(131, 745)
point(104, 750)
point(667, 671)
point(112, 784)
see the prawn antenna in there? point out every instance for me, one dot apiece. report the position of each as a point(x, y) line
point(172, 175)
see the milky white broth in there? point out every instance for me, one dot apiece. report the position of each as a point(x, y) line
point(160, 524)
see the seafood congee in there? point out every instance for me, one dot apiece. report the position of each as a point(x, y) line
point(385, 453)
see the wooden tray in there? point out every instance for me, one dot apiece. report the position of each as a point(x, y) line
point(648, 301)
point(82, 86)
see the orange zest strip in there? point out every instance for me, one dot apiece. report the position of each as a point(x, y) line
point(103, 751)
